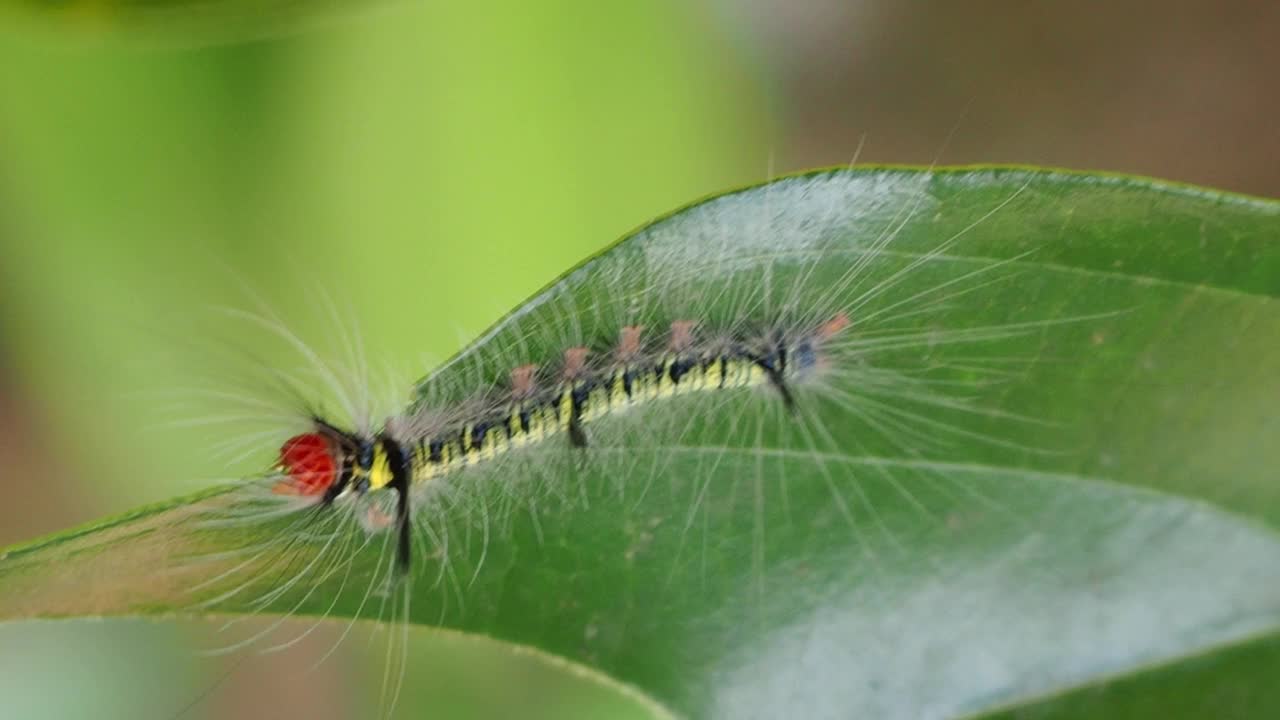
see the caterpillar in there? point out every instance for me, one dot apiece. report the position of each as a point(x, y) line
point(328, 462)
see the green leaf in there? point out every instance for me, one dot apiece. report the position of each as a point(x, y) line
point(1041, 458)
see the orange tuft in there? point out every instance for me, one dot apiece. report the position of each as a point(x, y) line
point(682, 334)
point(575, 361)
point(629, 341)
point(522, 380)
point(833, 326)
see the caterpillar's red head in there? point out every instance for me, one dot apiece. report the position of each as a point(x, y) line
point(310, 463)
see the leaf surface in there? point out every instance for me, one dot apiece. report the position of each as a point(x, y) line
point(1045, 460)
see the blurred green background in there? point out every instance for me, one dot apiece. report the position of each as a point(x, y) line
point(428, 165)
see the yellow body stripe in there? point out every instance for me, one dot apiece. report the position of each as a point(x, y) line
point(546, 419)
point(379, 472)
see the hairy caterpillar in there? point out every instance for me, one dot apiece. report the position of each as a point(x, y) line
point(329, 462)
